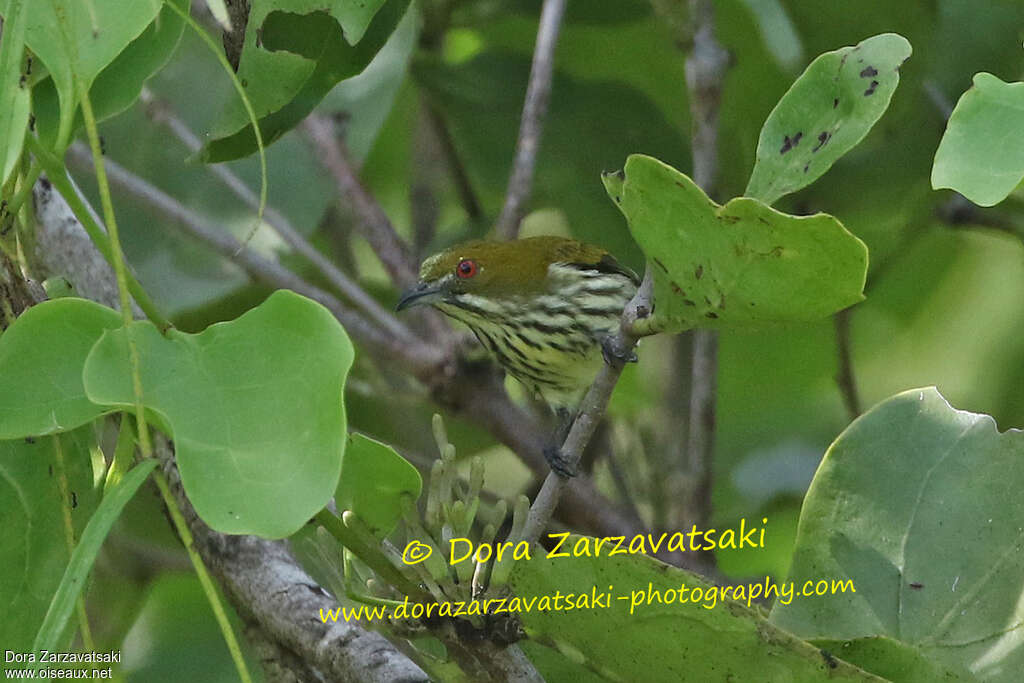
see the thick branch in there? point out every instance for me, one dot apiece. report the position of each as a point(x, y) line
point(538, 92)
point(270, 589)
point(619, 348)
point(372, 222)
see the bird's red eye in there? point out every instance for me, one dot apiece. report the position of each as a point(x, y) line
point(466, 269)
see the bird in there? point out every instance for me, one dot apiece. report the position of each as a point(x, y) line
point(542, 306)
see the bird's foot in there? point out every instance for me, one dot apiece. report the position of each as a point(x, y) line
point(615, 353)
point(559, 463)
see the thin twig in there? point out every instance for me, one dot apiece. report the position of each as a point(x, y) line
point(538, 92)
point(375, 340)
point(371, 221)
point(705, 70)
point(845, 377)
point(427, 163)
point(161, 112)
point(591, 410)
point(467, 196)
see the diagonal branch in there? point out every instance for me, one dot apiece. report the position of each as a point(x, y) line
point(372, 222)
point(538, 92)
point(161, 112)
point(620, 347)
point(417, 354)
point(272, 592)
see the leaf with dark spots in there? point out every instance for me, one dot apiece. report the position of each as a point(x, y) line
point(823, 138)
point(789, 143)
point(869, 72)
point(812, 104)
point(807, 167)
point(871, 89)
point(797, 267)
point(658, 263)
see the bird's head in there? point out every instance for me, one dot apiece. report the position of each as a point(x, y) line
point(499, 270)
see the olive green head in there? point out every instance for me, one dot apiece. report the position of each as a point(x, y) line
point(502, 269)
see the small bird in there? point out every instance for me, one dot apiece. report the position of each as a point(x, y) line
point(543, 306)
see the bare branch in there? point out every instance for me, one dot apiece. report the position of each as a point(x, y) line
point(460, 177)
point(372, 222)
point(161, 112)
point(417, 356)
point(620, 347)
point(538, 92)
point(705, 71)
point(844, 377)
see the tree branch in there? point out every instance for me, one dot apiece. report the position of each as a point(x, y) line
point(161, 112)
point(538, 92)
point(620, 347)
point(705, 70)
point(271, 590)
point(845, 377)
point(371, 221)
point(419, 356)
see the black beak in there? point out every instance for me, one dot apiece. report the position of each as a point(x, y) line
point(423, 293)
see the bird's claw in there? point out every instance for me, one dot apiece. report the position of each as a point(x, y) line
point(615, 354)
point(559, 463)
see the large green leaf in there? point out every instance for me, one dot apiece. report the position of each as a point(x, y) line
point(84, 556)
point(741, 263)
point(14, 91)
point(981, 155)
point(828, 110)
point(118, 85)
point(294, 53)
point(33, 534)
point(374, 480)
point(76, 40)
point(41, 359)
point(254, 406)
point(629, 638)
point(920, 506)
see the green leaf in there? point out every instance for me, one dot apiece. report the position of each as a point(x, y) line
point(709, 639)
point(254, 406)
point(294, 53)
point(118, 86)
point(741, 263)
point(919, 505)
point(41, 359)
point(14, 91)
point(84, 556)
point(33, 534)
point(374, 480)
point(981, 155)
point(777, 31)
point(892, 660)
point(76, 39)
point(826, 112)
